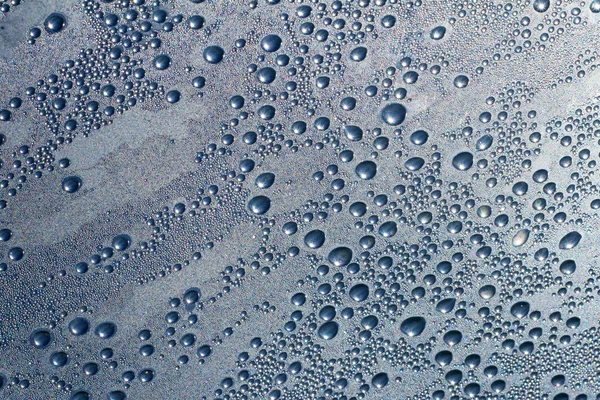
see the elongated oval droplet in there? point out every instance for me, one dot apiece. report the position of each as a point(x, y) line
point(569, 241)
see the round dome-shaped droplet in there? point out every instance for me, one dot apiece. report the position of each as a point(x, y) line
point(461, 81)
point(80, 395)
point(204, 351)
point(314, 239)
point(410, 77)
point(419, 137)
point(353, 132)
point(79, 326)
point(121, 242)
point(444, 358)
point(16, 253)
point(438, 33)
point(366, 170)
point(452, 338)
point(71, 184)
point(5, 235)
point(380, 380)
point(327, 313)
point(266, 75)
point(173, 96)
point(388, 229)
point(40, 339)
point(484, 142)
point(445, 306)
point(359, 292)
point(298, 299)
point(265, 180)
point(322, 123)
point(358, 54)
point(444, 267)
point(463, 161)
point(162, 62)
point(568, 267)
point(199, 82)
point(487, 292)
point(414, 163)
point(358, 209)
point(266, 112)
point(520, 188)
point(413, 326)
point(116, 395)
point(520, 309)
point(192, 295)
point(521, 237)
point(349, 103)
point(540, 176)
point(59, 359)
point(196, 22)
point(393, 114)
point(106, 330)
point(55, 23)
point(213, 54)
point(369, 322)
point(472, 390)
point(290, 228)
point(259, 205)
point(328, 330)
point(541, 5)
point(270, 43)
point(340, 256)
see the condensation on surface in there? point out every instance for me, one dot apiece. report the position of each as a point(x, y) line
point(299, 199)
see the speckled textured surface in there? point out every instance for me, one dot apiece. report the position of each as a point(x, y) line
point(279, 199)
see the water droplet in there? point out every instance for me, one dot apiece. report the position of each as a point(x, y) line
point(413, 326)
point(393, 114)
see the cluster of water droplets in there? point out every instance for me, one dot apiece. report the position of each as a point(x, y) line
point(299, 199)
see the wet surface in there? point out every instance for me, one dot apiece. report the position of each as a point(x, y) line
point(357, 199)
